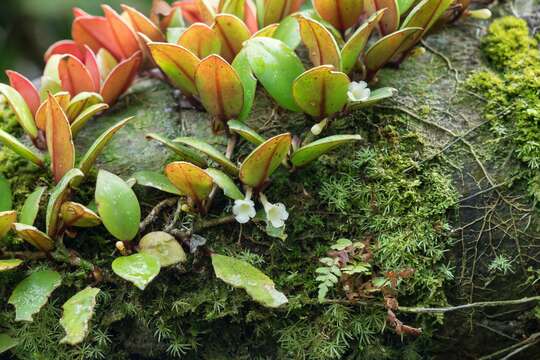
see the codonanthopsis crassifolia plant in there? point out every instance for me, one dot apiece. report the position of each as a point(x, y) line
point(216, 53)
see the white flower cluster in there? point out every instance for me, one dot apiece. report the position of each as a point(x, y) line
point(244, 210)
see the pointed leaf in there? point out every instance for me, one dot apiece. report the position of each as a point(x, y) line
point(63, 47)
point(225, 183)
point(178, 64)
point(33, 292)
point(275, 11)
point(81, 120)
point(219, 87)
point(322, 47)
point(57, 198)
point(185, 153)
point(9, 264)
point(249, 83)
point(375, 97)
point(156, 181)
point(123, 34)
point(201, 40)
point(30, 208)
point(342, 14)
point(321, 91)
point(75, 214)
point(74, 76)
point(34, 236)
point(81, 102)
point(78, 312)
point(288, 31)
point(241, 274)
point(105, 63)
point(25, 88)
point(120, 78)
point(232, 33)
point(206, 11)
point(314, 150)
point(425, 14)
point(140, 269)
point(95, 32)
point(7, 218)
point(63, 99)
point(164, 247)
point(233, 7)
point(118, 206)
point(21, 109)
point(264, 160)
point(6, 201)
point(7, 343)
point(267, 31)
point(390, 19)
point(90, 62)
point(19, 148)
point(190, 179)
point(246, 132)
point(210, 151)
point(405, 5)
point(276, 66)
point(142, 24)
point(357, 42)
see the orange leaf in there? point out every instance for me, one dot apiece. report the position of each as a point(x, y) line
point(59, 139)
point(64, 47)
point(189, 11)
point(206, 11)
point(74, 76)
point(123, 35)
point(95, 32)
point(232, 32)
point(390, 19)
point(24, 87)
point(62, 98)
point(120, 78)
point(250, 16)
point(90, 62)
point(323, 49)
point(78, 12)
point(143, 25)
point(200, 39)
point(190, 180)
point(341, 13)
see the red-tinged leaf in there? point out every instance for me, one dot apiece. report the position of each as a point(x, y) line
point(63, 98)
point(296, 5)
point(120, 78)
point(95, 32)
point(190, 12)
point(201, 40)
point(232, 32)
point(206, 11)
point(321, 91)
point(426, 13)
point(159, 8)
point(122, 33)
point(21, 109)
point(105, 62)
point(323, 49)
point(178, 63)
point(143, 25)
point(343, 14)
point(74, 76)
point(250, 17)
point(91, 64)
point(78, 12)
point(390, 20)
point(190, 180)
point(24, 87)
point(63, 47)
point(219, 87)
point(59, 139)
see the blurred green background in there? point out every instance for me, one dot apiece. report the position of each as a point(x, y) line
point(28, 27)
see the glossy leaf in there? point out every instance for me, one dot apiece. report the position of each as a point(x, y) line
point(81, 102)
point(225, 183)
point(314, 150)
point(120, 78)
point(9, 264)
point(190, 179)
point(21, 109)
point(89, 158)
point(375, 97)
point(405, 5)
point(6, 197)
point(178, 64)
point(123, 34)
point(139, 269)
point(249, 83)
point(276, 66)
point(321, 91)
point(34, 236)
point(7, 218)
point(232, 33)
point(7, 343)
point(264, 160)
point(389, 21)
point(78, 312)
point(19, 148)
point(50, 81)
point(33, 292)
point(219, 87)
point(156, 181)
point(75, 214)
point(74, 76)
point(342, 14)
point(57, 198)
point(118, 206)
point(206, 11)
point(356, 44)
point(322, 47)
point(62, 97)
point(246, 132)
point(267, 31)
point(30, 208)
point(95, 32)
point(185, 153)
point(234, 7)
point(241, 274)
point(210, 151)
point(164, 247)
point(105, 63)
point(59, 139)
point(85, 116)
point(425, 14)
point(25, 88)
point(63, 47)
point(90, 62)
point(201, 40)
point(288, 31)
point(142, 24)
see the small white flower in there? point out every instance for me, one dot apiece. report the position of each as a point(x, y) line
point(244, 210)
point(358, 91)
point(276, 214)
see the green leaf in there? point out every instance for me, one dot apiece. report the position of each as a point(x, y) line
point(185, 153)
point(314, 150)
point(9, 264)
point(404, 5)
point(322, 46)
point(78, 312)
point(225, 183)
point(288, 31)
point(249, 83)
point(21, 109)
point(5, 194)
point(7, 218)
point(30, 208)
point(210, 151)
point(425, 14)
point(32, 293)
point(276, 66)
point(19, 148)
point(156, 181)
point(264, 160)
point(240, 274)
point(375, 97)
point(389, 21)
point(87, 114)
point(7, 343)
point(140, 269)
point(191, 180)
point(81, 102)
point(58, 196)
point(174, 33)
point(75, 214)
point(118, 206)
point(164, 247)
point(246, 132)
point(34, 236)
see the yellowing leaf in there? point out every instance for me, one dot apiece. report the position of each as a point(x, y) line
point(232, 33)
point(81, 102)
point(206, 11)
point(201, 40)
point(78, 312)
point(85, 116)
point(21, 109)
point(390, 19)
point(342, 14)
point(321, 45)
point(191, 180)
point(425, 14)
point(143, 25)
point(75, 214)
point(267, 31)
point(57, 198)
point(63, 98)
point(7, 218)
point(164, 247)
point(273, 11)
point(9, 264)
point(33, 236)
